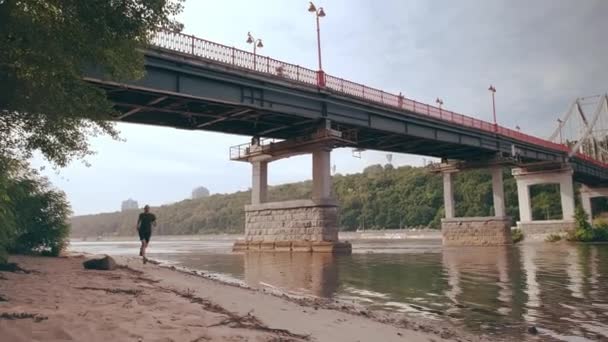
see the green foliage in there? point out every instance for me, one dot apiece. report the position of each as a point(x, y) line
point(546, 202)
point(33, 215)
point(41, 218)
point(517, 235)
point(45, 104)
point(553, 238)
point(7, 213)
point(584, 231)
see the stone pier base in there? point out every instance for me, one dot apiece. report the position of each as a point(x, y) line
point(539, 230)
point(337, 247)
point(292, 226)
point(476, 231)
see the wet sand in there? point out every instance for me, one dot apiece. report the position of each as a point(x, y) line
point(61, 301)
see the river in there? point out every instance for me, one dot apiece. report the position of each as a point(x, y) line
point(561, 289)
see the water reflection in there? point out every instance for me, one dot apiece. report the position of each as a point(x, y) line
point(480, 289)
point(453, 273)
point(309, 273)
point(574, 271)
point(559, 288)
point(531, 289)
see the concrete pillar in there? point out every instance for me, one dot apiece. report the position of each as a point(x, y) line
point(474, 231)
point(566, 190)
point(587, 193)
point(523, 198)
point(321, 174)
point(586, 202)
point(498, 194)
point(259, 182)
point(541, 229)
point(448, 194)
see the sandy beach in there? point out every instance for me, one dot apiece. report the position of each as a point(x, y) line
point(58, 300)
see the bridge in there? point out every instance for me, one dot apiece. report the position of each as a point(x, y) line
point(195, 84)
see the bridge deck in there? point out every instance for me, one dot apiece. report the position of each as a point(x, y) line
point(195, 84)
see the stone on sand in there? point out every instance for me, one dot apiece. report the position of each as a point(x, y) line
point(106, 264)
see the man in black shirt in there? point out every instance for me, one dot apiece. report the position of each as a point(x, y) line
point(144, 227)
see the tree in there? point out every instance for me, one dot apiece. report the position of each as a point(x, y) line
point(8, 168)
point(45, 104)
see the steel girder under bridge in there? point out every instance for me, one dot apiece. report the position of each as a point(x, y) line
point(194, 84)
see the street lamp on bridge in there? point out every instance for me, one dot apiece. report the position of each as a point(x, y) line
point(439, 102)
point(257, 43)
point(319, 13)
point(493, 91)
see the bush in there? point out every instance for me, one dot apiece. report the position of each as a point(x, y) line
point(601, 231)
point(584, 231)
point(41, 219)
point(517, 235)
point(33, 215)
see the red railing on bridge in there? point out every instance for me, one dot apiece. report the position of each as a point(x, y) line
point(192, 45)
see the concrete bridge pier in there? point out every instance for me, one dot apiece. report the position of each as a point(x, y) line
point(588, 193)
point(309, 225)
point(540, 229)
point(259, 182)
point(475, 231)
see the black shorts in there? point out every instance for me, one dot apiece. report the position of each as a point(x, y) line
point(145, 234)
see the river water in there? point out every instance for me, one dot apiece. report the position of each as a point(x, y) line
point(561, 289)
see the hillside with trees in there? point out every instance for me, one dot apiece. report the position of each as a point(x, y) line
point(381, 197)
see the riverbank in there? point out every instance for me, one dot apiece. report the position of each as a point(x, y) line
point(59, 300)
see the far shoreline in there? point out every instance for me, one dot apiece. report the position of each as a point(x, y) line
point(380, 234)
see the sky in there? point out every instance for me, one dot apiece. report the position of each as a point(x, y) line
point(540, 55)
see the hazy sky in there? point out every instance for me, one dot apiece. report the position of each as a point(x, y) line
point(540, 55)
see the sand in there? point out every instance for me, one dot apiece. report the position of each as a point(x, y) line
point(61, 301)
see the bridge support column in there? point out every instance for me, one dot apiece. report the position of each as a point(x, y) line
point(588, 193)
point(448, 194)
point(259, 182)
point(540, 229)
point(498, 193)
point(475, 231)
point(321, 174)
point(309, 225)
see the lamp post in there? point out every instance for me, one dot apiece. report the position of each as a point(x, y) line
point(493, 91)
point(439, 102)
point(319, 13)
point(257, 43)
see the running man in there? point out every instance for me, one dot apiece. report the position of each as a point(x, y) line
point(144, 227)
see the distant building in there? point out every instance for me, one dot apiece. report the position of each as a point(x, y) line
point(129, 205)
point(200, 192)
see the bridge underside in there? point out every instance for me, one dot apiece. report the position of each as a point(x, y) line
point(188, 93)
point(147, 106)
point(141, 105)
